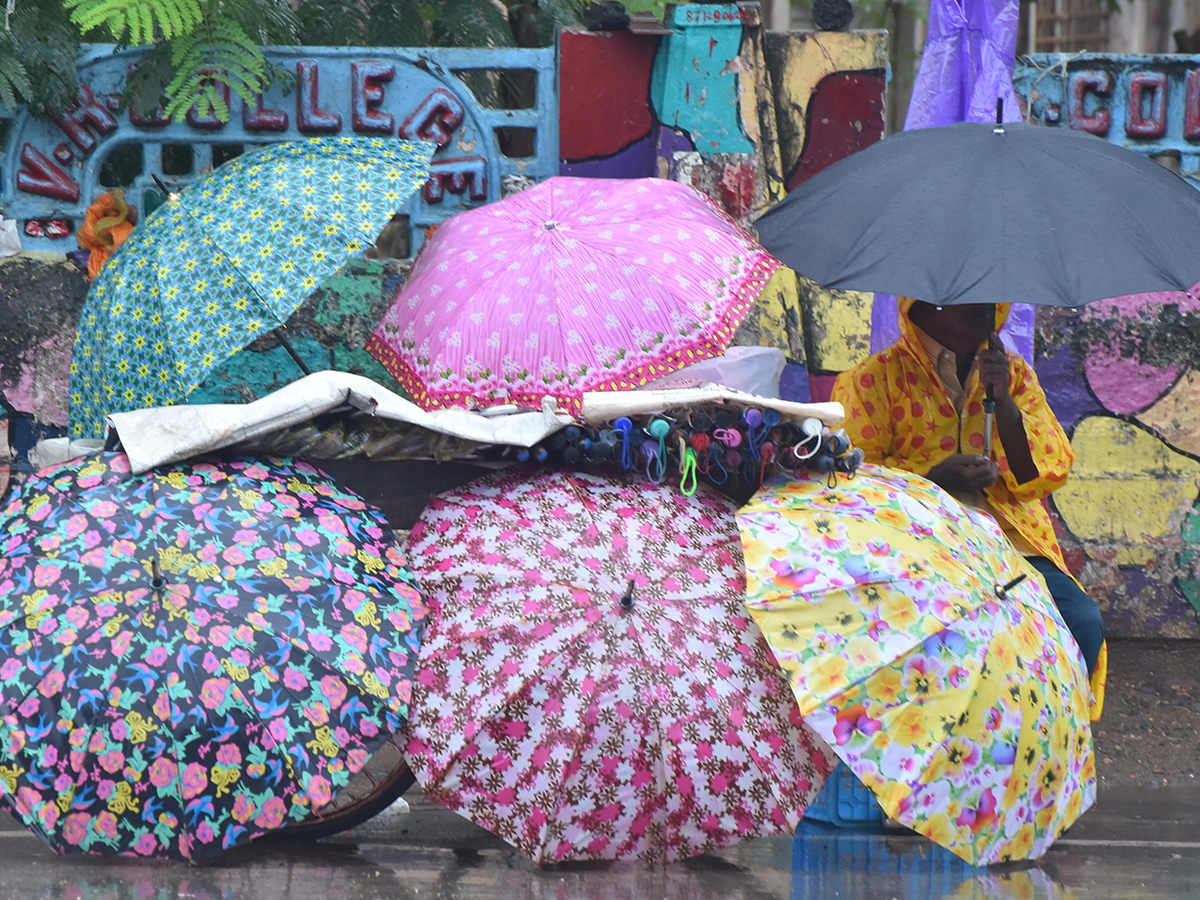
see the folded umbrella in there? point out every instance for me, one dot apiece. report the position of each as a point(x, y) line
point(928, 654)
point(590, 685)
point(196, 656)
point(229, 258)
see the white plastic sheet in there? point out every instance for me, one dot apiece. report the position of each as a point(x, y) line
point(155, 437)
point(754, 370)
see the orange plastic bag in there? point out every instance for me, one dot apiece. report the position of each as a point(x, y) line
point(106, 224)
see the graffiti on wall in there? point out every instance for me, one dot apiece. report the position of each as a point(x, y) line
point(709, 99)
point(741, 114)
point(1121, 373)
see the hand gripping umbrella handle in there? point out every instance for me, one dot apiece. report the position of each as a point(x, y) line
point(989, 410)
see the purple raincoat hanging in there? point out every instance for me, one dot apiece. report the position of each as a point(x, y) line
point(966, 66)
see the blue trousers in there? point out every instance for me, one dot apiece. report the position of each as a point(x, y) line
point(1078, 610)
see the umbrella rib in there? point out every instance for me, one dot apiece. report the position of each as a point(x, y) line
point(175, 739)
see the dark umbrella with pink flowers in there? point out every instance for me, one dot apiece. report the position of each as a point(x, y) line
point(196, 656)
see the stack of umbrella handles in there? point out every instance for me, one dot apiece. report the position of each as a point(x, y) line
point(721, 444)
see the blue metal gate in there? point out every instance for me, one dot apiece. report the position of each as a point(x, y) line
point(53, 167)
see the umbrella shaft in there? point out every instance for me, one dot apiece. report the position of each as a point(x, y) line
point(287, 345)
point(987, 434)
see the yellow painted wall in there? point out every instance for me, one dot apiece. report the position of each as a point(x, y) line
point(1128, 491)
point(837, 326)
point(777, 318)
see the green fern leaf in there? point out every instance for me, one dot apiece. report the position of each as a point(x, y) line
point(146, 84)
point(45, 44)
point(217, 55)
point(15, 87)
point(133, 20)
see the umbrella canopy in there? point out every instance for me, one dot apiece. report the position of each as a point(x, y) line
point(576, 284)
point(978, 213)
point(195, 656)
point(963, 706)
point(230, 258)
point(591, 685)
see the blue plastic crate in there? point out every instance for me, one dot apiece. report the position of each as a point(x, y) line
point(845, 802)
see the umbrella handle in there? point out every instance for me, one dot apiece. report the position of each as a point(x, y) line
point(660, 428)
point(715, 455)
point(730, 437)
point(700, 443)
point(753, 419)
point(624, 426)
point(656, 466)
point(767, 457)
point(687, 469)
point(989, 394)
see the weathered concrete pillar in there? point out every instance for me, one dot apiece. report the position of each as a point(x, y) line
point(829, 98)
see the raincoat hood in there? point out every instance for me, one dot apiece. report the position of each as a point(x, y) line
point(908, 329)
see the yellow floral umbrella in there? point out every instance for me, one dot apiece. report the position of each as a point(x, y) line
point(952, 689)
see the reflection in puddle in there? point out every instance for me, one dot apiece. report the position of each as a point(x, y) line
point(820, 864)
point(830, 863)
point(1022, 884)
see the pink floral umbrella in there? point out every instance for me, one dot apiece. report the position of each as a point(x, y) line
point(591, 685)
point(576, 284)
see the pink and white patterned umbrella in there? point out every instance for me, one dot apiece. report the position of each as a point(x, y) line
point(590, 685)
point(576, 284)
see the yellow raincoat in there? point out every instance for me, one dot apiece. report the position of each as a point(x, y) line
point(900, 414)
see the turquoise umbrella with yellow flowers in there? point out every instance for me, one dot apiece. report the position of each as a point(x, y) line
point(230, 257)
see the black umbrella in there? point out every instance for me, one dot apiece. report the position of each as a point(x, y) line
point(981, 213)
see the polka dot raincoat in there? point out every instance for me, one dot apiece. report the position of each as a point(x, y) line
point(900, 414)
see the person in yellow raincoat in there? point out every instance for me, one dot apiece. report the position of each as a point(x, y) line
point(918, 406)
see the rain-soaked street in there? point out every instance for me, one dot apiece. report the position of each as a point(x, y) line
point(1136, 844)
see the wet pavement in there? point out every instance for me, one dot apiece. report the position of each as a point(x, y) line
point(1136, 843)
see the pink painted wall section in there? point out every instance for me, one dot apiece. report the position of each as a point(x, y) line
point(1116, 371)
point(41, 387)
point(604, 86)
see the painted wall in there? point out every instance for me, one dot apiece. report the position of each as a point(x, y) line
point(1121, 375)
point(716, 102)
point(743, 114)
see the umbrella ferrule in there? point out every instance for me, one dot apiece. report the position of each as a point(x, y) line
point(626, 601)
point(157, 580)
